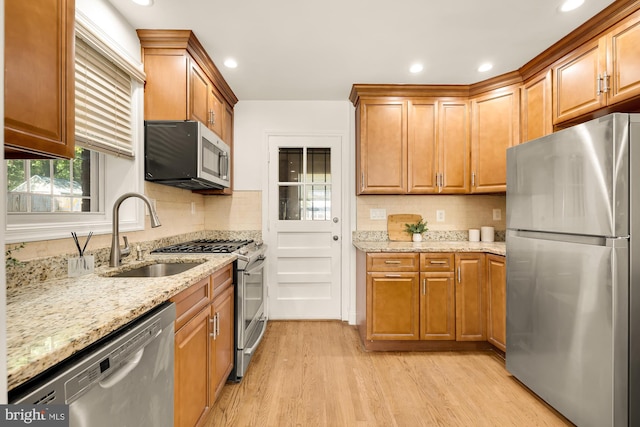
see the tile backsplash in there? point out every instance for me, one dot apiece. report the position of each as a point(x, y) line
point(460, 212)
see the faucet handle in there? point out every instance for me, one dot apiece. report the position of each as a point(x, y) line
point(125, 250)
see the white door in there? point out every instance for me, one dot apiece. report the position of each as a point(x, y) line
point(304, 227)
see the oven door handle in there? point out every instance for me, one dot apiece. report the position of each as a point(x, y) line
point(249, 351)
point(256, 267)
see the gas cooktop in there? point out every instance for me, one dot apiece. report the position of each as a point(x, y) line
point(209, 246)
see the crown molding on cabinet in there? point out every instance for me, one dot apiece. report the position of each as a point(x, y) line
point(186, 39)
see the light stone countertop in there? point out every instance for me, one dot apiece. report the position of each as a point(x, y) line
point(497, 248)
point(49, 321)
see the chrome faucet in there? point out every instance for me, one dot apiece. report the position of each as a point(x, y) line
point(116, 251)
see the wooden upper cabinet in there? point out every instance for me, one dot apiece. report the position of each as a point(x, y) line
point(623, 60)
point(600, 73)
point(39, 79)
point(199, 103)
point(165, 90)
point(536, 118)
point(454, 147)
point(494, 128)
point(422, 152)
point(577, 80)
point(382, 147)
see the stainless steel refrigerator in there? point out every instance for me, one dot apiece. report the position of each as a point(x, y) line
point(573, 270)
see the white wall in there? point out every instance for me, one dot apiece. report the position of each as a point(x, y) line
point(255, 119)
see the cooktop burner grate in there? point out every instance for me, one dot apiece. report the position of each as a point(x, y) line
point(205, 246)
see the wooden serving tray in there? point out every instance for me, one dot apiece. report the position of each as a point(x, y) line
point(396, 226)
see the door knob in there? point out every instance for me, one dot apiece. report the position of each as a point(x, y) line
point(335, 219)
point(335, 238)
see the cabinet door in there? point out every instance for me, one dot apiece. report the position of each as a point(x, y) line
point(217, 110)
point(422, 152)
point(382, 147)
point(497, 301)
point(199, 108)
point(470, 296)
point(191, 401)
point(39, 78)
point(222, 344)
point(437, 307)
point(453, 147)
point(165, 94)
point(494, 128)
point(623, 60)
point(577, 84)
point(392, 306)
point(536, 118)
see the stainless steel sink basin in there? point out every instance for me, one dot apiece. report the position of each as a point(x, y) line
point(160, 269)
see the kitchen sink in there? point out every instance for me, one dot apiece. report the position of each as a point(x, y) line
point(160, 269)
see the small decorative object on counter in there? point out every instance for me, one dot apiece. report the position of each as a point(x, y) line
point(83, 264)
point(474, 235)
point(416, 229)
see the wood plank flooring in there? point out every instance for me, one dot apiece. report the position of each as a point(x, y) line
point(316, 374)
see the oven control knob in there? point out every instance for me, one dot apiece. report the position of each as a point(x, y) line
point(243, 251)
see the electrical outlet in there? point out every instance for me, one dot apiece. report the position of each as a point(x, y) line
point(153, 205)
point(193, 208)
point(377, 213)
point(497, 214)
point(440, 216)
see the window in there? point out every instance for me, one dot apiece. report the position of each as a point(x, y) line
point(54, 185)
point(46, 199)
point(304, 184)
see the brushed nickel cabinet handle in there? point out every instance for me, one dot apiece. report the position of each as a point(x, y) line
point(439, 262)
point(424, 286)
point(392, 275)
point(389, 261)
point(599, 85)
point(459, 279)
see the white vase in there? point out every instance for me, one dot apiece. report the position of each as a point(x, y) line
point(417, 237)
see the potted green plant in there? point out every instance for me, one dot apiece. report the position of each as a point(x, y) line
point(416, 230)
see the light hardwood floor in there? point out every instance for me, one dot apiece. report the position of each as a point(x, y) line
point(316, 374)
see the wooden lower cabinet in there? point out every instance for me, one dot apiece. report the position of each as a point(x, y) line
point(393, 301)
point(204, 346)
point(443, 300)
point(497, 301)
point(470, 297)
point(222, 346)
point(191, 403)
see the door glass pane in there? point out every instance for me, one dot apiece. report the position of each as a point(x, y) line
point(304, 176)
point(290, 203)
point(291, 166)
point(318, 165)
point(318, 202)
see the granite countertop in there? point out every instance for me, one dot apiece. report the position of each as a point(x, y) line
point(497, 248)
point(49, 321)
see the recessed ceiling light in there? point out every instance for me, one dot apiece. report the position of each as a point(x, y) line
point(143, 2)
point(415, 68)
point(230, 63)
point(485, 67)
point(571, 5)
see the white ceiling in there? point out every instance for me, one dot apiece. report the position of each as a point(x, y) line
point(317, 49)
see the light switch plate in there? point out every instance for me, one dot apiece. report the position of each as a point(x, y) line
point(440, 216)
point(497, 214)
point(377, 213)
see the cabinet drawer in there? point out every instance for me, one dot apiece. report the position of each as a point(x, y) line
point(190, 301)
point(436, 262)
point(221, 279)
point(393, 262)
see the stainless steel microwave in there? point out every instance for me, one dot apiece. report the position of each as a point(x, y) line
point(185, 154)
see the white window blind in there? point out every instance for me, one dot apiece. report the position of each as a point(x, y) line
point(103, 103)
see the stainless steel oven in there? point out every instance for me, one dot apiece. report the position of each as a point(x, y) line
point(251, 320)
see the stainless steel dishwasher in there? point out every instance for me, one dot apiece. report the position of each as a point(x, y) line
point(125, 380)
